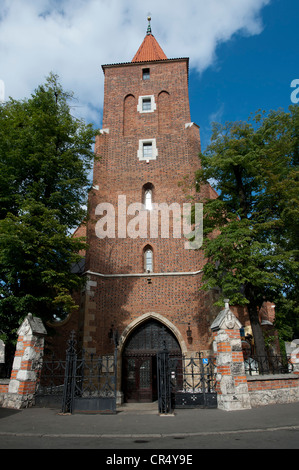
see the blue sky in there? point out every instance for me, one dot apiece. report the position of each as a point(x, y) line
point(250, 73)
point(243, 53)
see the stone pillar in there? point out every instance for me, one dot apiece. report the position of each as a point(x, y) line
point(2, 352)
point(232, 388)
point(27, 364)
point(295, 360)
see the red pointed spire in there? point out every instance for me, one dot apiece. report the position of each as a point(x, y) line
point(150, 49)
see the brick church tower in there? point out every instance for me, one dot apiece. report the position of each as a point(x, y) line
point(143, 280)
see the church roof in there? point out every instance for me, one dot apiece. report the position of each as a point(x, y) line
point(150, 49)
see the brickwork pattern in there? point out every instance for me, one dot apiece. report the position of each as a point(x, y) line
point(4, 386)
point(134, 297)
point(273, 384)
point(119, 301)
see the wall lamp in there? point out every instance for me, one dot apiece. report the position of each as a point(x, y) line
point(189, 334)
point(113, 335)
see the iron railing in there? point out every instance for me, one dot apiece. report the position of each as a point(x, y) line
point(82, 381)
point(193, 374)
point(263, 365)
point(186, 382)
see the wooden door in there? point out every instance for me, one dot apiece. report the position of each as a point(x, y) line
point(139, 373)
point(140, 378)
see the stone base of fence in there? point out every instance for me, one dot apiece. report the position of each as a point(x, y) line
point(16, 402)
point(273, 389)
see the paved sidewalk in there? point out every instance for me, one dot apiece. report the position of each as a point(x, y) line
point(143, 421)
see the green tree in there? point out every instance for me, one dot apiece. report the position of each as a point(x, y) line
point(45, 158)
point(251, 229)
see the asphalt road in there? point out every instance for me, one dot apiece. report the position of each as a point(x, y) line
point(148, 434)
point(273, 439)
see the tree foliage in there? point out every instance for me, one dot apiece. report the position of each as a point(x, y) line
point(251, 230)
point(45, 157)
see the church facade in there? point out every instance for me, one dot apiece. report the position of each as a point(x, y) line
point(143, 275)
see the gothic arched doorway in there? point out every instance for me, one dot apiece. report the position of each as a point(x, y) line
point(139, 372)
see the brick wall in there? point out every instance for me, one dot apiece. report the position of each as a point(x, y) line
point(272, 383)
point(119, 301)
point(4, 384)
point(269, 390)
point(273, 389)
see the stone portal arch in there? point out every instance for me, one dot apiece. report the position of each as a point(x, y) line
point(139, 345)
point(145, 317)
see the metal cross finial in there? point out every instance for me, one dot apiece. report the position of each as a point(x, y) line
point(149, 29)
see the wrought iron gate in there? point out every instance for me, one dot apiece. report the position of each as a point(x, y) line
point(164, 385)
point(139, 364)
point(185, 382)
point(83, 382)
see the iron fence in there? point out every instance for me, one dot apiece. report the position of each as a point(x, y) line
point(186, 382)
point(194, 382)
point(81, 382)
point(51, 382)
point(263, 365)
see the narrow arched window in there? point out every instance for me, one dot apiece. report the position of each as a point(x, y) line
point(148, 259)
point(147, 196)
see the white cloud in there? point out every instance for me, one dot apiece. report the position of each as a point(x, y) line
point(73, 38)
point(2, 91)
point(216, 116)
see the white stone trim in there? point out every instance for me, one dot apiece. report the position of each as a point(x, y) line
point(13, 386)
point(17, 362)
point(140, 149)
point(157, 316)
point(26, 375)
point(187, 273)
point(153, 104)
